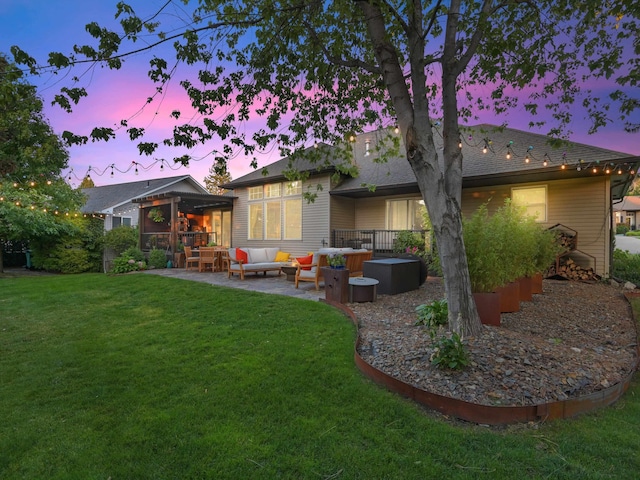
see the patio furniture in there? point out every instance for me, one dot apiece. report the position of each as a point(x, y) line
point(313, 272)
point(222, 258)
point(243, 260)
point(396, 275)
point(191, 262)
point(362, 289)
point(290, 271)
point(207, 259)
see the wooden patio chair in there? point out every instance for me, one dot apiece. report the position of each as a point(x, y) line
point(207, 259)
point(191, 261)
point(223, 258)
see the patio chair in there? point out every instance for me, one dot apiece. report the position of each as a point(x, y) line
point(191, 261)
point(223, 258)
point(207, 259)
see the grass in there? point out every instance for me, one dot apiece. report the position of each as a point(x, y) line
point(144, 377)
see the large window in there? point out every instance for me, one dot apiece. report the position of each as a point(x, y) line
point(275, 211)
point(255, 221)
point(405, 214)
point(534, 199)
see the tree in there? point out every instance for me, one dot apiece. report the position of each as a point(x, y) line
point(322, 71)
point(218, 175)
point(87, 182)
point(34, 199)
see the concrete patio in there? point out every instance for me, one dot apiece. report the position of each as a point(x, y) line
point(271, 283)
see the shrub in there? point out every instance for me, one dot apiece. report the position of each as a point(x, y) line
point(633, 233)
point(132, 259)
point(409, 242)
point(450, 353)
point(622, 228)
point(626, 266)
point(157, 258)
point(121, 238)
point(134, 253)
point(433, 314)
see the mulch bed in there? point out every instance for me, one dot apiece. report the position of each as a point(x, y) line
point(574, 339)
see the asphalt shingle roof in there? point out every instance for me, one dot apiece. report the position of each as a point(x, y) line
point(396, 171)
point(103, 198)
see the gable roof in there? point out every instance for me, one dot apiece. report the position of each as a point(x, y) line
point(322, 158)
point(630, 203)
point(479, 169)
point(104, 199)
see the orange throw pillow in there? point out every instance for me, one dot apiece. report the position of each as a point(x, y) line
point(242, 255)
point(305, 261)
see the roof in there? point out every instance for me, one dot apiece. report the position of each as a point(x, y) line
point(479, 168)
point(104, 199)
point(628, 204)
point(322, 158)
point(191, 202)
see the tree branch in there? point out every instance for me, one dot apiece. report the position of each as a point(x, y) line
point(349, 63)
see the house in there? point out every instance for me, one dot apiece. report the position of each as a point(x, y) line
point(168, 211)
point(628, 211)
point(572, 189)
point(115, 202)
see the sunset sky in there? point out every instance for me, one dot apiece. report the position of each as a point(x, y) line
point(40, 26)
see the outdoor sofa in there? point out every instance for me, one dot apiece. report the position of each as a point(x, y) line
point(243, 260)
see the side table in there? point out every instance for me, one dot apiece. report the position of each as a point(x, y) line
point(362, 289)
point(289, 271)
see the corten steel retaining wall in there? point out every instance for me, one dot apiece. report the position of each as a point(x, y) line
point(487, 414)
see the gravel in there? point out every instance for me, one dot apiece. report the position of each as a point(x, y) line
point(574, 339)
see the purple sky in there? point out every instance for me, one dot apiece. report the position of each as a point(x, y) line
point(40, 26)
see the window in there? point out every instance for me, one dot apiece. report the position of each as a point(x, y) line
point(293, 188)
point(255, 193)
point(272, 191)
point(534, 199)
point(272, 222)
point(293, 219)
point(405, 214)
point(120, 221)
point(255, 221)
point(275, 218)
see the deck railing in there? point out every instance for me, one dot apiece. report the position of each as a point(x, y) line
point(382, 242)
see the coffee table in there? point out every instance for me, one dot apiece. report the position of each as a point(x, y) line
point(290, 271)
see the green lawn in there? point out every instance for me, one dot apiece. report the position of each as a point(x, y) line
point(140, 376)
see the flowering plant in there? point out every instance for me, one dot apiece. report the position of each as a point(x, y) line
point(336, 260)
point(412, 250)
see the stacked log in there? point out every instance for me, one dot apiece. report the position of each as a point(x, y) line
point(569, 269)
point(567, 241)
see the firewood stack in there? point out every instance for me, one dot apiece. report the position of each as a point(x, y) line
point(569, 269)
point(567, 241)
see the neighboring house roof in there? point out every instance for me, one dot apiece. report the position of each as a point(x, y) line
point(629, 203)
point(106, 198)
point(479, 169)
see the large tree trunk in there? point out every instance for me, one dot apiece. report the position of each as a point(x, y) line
point(440, 184)
point(446, 219)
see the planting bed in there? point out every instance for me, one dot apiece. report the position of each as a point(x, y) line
point(573, 340)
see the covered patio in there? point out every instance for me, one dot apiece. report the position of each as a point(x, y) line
point(171, 220)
